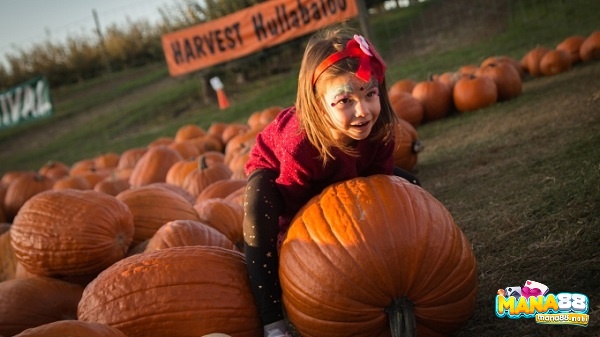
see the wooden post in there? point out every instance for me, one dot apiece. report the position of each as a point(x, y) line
point(363, 19)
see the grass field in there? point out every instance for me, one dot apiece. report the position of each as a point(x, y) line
point(521, 178)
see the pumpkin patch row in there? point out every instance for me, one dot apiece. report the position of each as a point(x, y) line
point(498, 78)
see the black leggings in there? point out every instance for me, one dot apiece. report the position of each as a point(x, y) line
point(262, 206)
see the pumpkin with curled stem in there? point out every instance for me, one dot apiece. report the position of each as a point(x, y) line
point(368, 249)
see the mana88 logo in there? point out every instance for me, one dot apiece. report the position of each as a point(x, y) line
point(534, 300)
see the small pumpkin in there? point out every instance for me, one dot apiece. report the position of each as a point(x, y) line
point(204, 175)
point(407, 146)
point(404, 85)
point(23, 188)
point(376, 250)
point(130, 157)
point(531, 60)
point(188, 131)
point(555, 62)
point(474, 92)
point(435, 97)
point(54, 169)
point(77, 182)
point(153, 165)
point(508, 81)
point(590, 48)
point(407, 107)
point(107, 160)
point(174, 291)
point(221, 189)
point(571, 45)
point(72, 328)
point(31, 302)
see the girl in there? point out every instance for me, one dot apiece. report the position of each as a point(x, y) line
point(341, 127)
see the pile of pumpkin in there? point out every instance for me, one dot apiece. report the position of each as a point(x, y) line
point(495, 79)
point(148, 242)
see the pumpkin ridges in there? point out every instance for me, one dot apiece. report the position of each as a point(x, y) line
point(48, 237)
point(384, 241)
point(187, 233)
point(125, 295)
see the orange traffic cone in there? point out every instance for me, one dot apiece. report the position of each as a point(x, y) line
point(222, 99)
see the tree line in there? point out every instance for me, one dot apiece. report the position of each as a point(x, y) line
point(81, 58)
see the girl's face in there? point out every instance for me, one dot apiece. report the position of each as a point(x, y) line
point(352, 104)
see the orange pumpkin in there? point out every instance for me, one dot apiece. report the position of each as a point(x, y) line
point(435, 97)
point(174, 292)
point(590, 48)
point(21, 189)
point(71, 232)
point(508, 81)
point(404, 85)
point(153, 165)
point(154, 206)
point(555, 62)
point(72, 328)
point(188, 131)
point(31, 302)
point(224, 215)
point(130, 157)
point(221, 189)
point(516, 64)
point(107, 160)
point(407, 107)
point(77, 182)
point(474, 92)
point(180, 233)
point(531, 60)
point(8, 260)
point(407, 145)
point(374, 250)
point(54, 169)
point(571, 45)
point(204, 175)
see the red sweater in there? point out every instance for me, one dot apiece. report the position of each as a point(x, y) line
point(281, 147)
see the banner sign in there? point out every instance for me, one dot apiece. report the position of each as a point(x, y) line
point(29, 100)
point(250, 30)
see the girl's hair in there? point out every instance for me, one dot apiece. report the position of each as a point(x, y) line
point(310, 110)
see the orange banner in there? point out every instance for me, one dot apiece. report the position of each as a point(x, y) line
point(247, 31)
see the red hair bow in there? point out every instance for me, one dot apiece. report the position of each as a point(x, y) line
point(369, 60)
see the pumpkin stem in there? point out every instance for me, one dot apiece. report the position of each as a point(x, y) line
point(202, 163)
point(402, 318)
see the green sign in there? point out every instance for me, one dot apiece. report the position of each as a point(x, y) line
point(27, 101)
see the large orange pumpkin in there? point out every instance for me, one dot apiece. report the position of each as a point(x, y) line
point(365, 250)
point(531, 60)
point(30, 302)
point(72, 328)
point(71, 232)
point(224, 215)
point(407, 107)
point(571, 45)
point(179, 291)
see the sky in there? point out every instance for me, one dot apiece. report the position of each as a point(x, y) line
point(27, 22)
